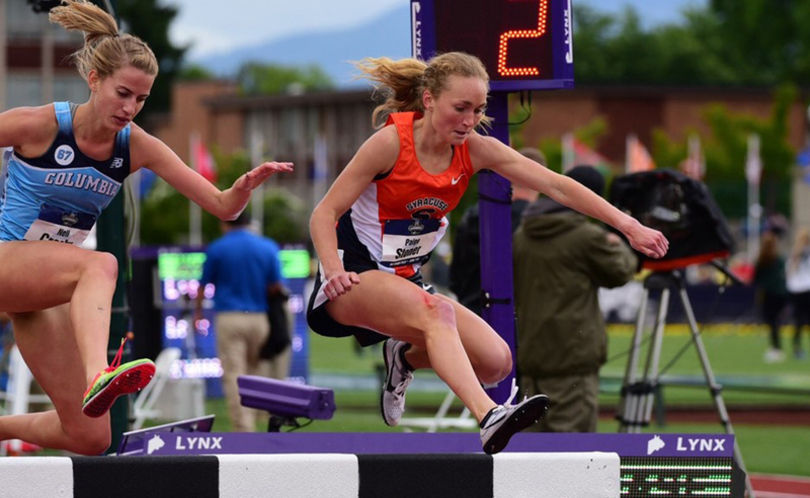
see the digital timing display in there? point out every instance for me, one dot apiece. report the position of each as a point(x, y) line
point(180, 265)
point(524, 44)
point(179, 276)
point(661, 476)
point(188, 266)
point(514, 41)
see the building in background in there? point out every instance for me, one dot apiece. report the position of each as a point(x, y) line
point(34, 69)
point(289, 125)
point(321, 131)
point(285, 127)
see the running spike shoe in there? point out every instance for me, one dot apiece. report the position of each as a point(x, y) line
point(114, 381)
point(503, 421)
point(397, 378)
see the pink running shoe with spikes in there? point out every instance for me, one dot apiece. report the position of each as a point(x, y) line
point(114, 381)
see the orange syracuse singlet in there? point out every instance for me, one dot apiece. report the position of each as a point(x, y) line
point(401, 216)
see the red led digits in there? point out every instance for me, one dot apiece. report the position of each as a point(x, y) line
point(524, 44)
point(503, 47)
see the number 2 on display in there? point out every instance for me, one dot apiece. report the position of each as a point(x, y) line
point(503, 46)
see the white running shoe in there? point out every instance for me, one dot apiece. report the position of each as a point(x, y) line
point(397, 378)
point(503, 421)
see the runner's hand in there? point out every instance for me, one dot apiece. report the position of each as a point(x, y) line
point(647, 241)
point(259, 174)
point(340, 284)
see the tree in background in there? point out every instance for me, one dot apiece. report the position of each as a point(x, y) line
point(761, 43)
point(195, 72)
point(767, 41)
point(286, 217)
point(149, 20)
point(165, 212)
point(618, 50)
point(266, 79)
point(725, 150)
point(728, 42)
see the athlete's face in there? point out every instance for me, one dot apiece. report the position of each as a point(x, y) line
point(458, 108)
point(120, 96)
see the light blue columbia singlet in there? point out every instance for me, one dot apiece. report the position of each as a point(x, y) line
point(59, 195)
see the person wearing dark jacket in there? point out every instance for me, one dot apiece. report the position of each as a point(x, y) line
point(561, 259)
point(465, 267)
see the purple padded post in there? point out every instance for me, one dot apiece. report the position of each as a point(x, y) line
point(286, 399)
point(496, 246)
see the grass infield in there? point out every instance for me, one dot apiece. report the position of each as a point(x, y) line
point(735, 355)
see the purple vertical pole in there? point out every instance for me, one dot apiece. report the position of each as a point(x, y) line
point(496, 245)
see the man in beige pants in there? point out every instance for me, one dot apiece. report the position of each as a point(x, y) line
point(245, 270)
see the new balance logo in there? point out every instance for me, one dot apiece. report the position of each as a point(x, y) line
point(458, 179)
point(117, 163)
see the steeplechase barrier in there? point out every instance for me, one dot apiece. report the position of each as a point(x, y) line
point(506, 475)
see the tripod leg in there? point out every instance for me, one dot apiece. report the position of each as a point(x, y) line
point(629, 399)
point(651, 375)
point(714, 387)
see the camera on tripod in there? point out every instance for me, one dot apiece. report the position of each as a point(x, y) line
point(679, 207)
point(685, 212)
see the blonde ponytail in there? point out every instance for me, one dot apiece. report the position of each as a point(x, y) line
point(105, 50)
point(403, 82)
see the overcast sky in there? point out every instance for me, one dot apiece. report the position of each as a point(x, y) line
point(220, 25)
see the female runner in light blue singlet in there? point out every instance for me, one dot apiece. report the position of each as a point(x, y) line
point(68, 163)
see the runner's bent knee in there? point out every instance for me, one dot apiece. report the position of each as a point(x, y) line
point(496, 366)
point(88, 436)
point(98, 266)
point(103, 264)
point(438, 311)
point(436, 316)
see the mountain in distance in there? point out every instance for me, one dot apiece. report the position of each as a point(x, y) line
point(389, 35)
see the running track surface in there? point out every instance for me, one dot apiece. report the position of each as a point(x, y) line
point(775, 486)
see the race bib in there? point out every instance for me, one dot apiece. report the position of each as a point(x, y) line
point(59, 225)
point(409, 241)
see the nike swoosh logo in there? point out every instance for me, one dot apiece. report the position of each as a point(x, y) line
point(456, 180)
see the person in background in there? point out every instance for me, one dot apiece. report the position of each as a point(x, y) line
point(245, 270)
point(68, 163)
point(772, 294)
point(465, 265)
point(798, 285)
point(561, 259)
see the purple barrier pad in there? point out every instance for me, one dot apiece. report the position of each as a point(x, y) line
point(626, 445)
point(286, 398)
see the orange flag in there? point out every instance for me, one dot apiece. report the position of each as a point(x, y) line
point(201, 159)
point(576, 153)
point(638, 158)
